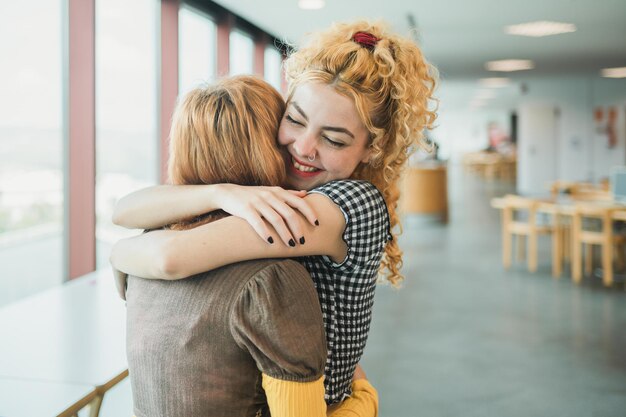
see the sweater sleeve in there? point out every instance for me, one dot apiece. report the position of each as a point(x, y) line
point(306, 399)
point(277, 319)
point(362, 403)
point(289, 398)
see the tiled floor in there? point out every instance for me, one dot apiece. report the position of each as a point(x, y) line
point(464, 338)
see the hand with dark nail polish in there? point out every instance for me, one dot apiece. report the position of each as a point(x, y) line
point(270, 239)
point(302, 240)
point(292, 243)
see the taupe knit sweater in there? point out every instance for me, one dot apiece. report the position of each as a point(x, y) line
point(197, 346)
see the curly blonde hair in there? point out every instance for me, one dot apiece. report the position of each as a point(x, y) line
point(392, 86)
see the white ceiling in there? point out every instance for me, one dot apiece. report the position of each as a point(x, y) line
point(460, 36)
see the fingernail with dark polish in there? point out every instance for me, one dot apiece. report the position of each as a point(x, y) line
point(270, 239)
point(302, 240)
point(292, 243)
point(317, 223)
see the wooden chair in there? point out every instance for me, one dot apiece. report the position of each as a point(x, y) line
point(591, 194)
point(560, 187)
point(605, 184)
point(605, 238)
point(528, 229)
point(579, 191)
point(561, 236)
point(571, 188)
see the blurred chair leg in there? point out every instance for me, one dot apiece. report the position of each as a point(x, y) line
point(588, 259)
point(521, 248)
point(532, 252)
point(607, 264)
point(567, 243)
point(576, 252)
point(506, 249)
point(557, 249)
point(619, 256)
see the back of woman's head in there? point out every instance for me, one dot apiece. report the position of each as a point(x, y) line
point(391, 85)
point(226, 133)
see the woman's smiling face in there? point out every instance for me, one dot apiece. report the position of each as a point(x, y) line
point(321, 123)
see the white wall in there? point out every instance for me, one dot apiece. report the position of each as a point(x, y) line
point(460, 131)
point(579, 154)
point(570, 96)
point(537, 147)
point(459, 128)
point(582, 154)
point(606, 93)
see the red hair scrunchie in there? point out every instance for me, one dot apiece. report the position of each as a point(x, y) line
point(365, 39)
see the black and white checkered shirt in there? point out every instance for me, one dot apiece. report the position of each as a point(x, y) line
point(346, 290)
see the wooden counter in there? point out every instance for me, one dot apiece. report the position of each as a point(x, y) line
point(424, 190)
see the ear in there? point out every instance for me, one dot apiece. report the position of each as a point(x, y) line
point(367, 155)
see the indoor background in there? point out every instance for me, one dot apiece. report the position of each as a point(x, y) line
point(87, 88)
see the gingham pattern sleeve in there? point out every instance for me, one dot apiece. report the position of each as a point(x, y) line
point(367, 220)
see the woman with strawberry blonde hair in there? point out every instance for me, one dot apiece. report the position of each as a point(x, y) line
point(246, 339)
point(359, 98)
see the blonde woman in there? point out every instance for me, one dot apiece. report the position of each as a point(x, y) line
point(359, 98)
point(246, 339)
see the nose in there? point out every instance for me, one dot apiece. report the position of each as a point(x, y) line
point(305, 146)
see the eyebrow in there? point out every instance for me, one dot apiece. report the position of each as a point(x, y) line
point(331, 128)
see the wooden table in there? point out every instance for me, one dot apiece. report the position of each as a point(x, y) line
point(72, 334)
point(490, 165)
point(564, 206)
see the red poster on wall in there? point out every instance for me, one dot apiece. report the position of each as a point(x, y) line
point(605, 124)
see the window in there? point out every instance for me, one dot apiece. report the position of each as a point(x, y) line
point(126, 109)
point(31, 147)
point(241, 53)
point(273, 67)
point(196, 49)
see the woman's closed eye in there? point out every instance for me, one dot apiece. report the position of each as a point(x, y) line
point(333, 143)
point(293, 121)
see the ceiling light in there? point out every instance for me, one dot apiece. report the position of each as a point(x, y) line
point(485, 94)
point(478, 100)
point(311, 4)
point(494, 82)
point(539, 29)
point(614, 72)
point(508, 65)
point(474, 104)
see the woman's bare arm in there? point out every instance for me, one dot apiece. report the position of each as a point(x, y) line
point(178, 254)
point(154, 207)
point(157, 206)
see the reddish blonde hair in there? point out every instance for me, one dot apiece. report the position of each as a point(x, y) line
point(226, 133)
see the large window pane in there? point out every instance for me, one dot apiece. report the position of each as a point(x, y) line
point(196, 48)
point(31, 147)
point(241, 53)
point(126, 107)
point(273, 67)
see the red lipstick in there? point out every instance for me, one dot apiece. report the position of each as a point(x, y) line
point(293, 170)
